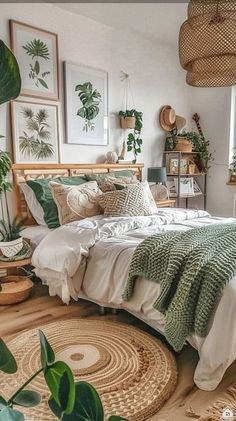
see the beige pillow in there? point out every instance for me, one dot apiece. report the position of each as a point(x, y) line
point(131, 201)
point(109, 182)
point(76, 202)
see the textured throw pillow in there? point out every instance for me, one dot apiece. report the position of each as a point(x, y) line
point(76, 202)
point(147, 190)
point(43, 195)
point(113, 183)
point(131, 201)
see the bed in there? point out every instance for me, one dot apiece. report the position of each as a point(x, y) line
point(76, 268)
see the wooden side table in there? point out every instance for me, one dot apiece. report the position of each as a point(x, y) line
point(167, 203)
point(11, 267)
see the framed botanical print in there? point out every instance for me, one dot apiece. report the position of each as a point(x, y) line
point(36, 51)
point(86, 92)
point(34, 132)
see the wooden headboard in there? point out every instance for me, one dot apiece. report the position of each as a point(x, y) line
point(24, 172)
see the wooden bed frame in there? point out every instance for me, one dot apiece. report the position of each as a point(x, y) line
point(23, 172)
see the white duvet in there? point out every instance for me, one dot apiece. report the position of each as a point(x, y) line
point(90, 259)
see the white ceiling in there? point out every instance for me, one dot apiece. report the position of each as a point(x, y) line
point(155, 20)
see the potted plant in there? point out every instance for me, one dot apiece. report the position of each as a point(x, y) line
point(188, 142)
point(232, 167)
point(127, 119)
point(69, 400)
point(10, 85)
point(134, 141)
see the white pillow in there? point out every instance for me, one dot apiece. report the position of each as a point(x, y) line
point(149, 195)
point(32, 203)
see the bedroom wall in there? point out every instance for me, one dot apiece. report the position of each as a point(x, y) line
point(153, 66)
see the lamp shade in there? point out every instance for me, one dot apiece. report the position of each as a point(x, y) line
point(157, 174)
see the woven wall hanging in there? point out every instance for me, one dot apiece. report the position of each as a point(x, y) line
point(207, 43)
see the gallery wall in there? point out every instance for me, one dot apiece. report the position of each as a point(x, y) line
point(155, 75)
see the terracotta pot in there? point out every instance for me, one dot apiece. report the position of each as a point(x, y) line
point(183, 145)
point(127, 122)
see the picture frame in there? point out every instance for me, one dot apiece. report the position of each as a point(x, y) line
point(36, 51)
point(35, 132)
point(86, 105)
point(174, 166)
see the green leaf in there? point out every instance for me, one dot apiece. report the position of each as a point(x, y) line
point(88, 406)
point(7, 361)
point(43, 83)
point(129, 148)
point(9, 414)
point(53, 376)
point(27, 398)
point(36, 67)
point(3, 402)
point(10, 80)
point(47, 353)
point(116, 418)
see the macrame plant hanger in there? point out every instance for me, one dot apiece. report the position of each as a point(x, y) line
point(128, 93)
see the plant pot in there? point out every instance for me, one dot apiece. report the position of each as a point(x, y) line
point(11, 248)
point(127, 122)
point(233, 177)
point(15, 289)
point(183, 145)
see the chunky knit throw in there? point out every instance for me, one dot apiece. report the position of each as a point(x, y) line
point(192, 268)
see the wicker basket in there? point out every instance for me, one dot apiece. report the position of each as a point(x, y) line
point(14, 289)
point(183, 145)
point(127, 122)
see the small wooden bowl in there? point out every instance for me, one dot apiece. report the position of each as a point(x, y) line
point(14, 289)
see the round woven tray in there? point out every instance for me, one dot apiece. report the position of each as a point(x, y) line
point(14, 289)
point(133, 372)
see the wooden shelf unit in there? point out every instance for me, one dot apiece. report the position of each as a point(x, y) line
point(180, 155)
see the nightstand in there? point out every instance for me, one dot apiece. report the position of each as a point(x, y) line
point(166, 203)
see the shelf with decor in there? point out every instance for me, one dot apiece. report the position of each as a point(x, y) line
point(182, 171)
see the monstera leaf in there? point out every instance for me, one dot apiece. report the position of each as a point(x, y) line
point(10, 80)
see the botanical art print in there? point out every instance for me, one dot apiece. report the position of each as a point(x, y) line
point(86, 105)
point(36, 52)
point(35, 132)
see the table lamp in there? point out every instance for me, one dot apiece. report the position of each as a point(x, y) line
point(158, 175)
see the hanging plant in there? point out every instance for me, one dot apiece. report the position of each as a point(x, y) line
point(134, 141)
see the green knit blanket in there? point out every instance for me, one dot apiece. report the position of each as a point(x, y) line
point(192, 268)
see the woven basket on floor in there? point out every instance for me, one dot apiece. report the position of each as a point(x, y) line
point(14, 289)
point(207, 43)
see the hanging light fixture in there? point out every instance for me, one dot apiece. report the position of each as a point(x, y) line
point(207, 43)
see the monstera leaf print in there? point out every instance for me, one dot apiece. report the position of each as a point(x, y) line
point(38, 51)
point(90, 99)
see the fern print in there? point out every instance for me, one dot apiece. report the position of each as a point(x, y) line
point(90, 99)
point(38, 50)
point(34, 143)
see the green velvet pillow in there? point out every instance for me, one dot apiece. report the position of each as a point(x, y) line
point(43, 195)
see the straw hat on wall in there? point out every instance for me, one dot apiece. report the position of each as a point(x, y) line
point(169, 120)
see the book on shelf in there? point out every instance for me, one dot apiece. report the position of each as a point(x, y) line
point(188, 187)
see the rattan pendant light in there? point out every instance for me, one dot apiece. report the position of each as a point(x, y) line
point(207, 43)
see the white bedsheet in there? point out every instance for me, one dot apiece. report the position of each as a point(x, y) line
point(60, 262)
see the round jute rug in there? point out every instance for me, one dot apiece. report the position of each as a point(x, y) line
point(133, 372)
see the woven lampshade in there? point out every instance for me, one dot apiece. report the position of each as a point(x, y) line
point(207, 43)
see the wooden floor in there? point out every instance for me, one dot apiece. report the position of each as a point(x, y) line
point(41, 308)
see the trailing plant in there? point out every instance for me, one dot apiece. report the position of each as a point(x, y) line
point(35, 142)
point(69, 400)
point(232, 166)
point(90, 99)
point(39, 50)
point(200, 145)
point(134, 141)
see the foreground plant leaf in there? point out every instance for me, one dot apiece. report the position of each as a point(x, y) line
point(9, 414)
point(10, 80)
point(27, 398)
point(7, 361)
point(58, 382)
point(116, 418)
point(47, 353)
point(87, 407)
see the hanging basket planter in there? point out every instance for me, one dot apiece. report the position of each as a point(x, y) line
point(127, 122)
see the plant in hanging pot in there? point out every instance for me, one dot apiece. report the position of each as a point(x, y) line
point(134, 141)
point(10, 85)
point(127, 119)
point(232, 167)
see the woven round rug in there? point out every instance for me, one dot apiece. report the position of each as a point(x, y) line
point(133, 372)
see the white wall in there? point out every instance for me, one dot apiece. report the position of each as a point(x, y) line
point(155, 73)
